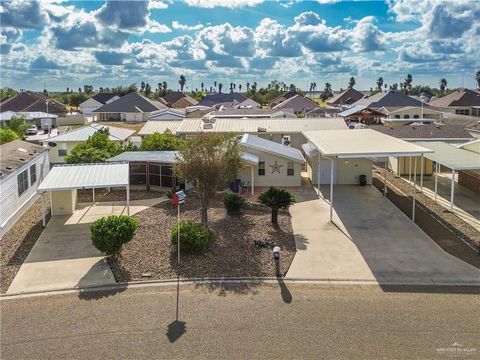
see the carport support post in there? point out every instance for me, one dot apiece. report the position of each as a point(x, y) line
point(436, 180)
point(128, 200)
point(422, 162)
point(43, 209)
point(318, 174)
point(253, 180)
point(385, 178)
point(409, 169)
point(93, 195)
point(331, 190)
point(414, 188)
point(452, 190)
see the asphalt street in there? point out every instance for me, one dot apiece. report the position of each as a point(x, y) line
point(255, 321)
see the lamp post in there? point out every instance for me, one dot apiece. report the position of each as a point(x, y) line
point(177, 199)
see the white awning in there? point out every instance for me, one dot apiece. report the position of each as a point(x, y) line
point(85, 176)
point(451, 156)
point(361, 143)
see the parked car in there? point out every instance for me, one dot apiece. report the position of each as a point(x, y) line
point(32, 130)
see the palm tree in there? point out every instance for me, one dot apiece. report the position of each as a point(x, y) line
point(443, 85)
point(239, 87)
point(477, 77)
point(276, 199)
point(142, 87)
point(379, 83)
point(220, 86)
point(201, 86)
point(164, 88)
point(351, 82)
point(248, 86)
point(182, 82)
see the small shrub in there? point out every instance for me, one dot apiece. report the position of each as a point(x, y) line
point(111, 232)
point(194, 237)
point(233, 203)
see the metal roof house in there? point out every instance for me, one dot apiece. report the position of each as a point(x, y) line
point(63, 144)
point(23, 165)
point(132, 107)
point(251, 114)
point(167, 114)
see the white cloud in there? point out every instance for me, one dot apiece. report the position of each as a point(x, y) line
point(223, 3)
point(178, 26)
point(157, 5)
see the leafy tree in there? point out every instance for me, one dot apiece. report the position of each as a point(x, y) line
point(443, 86)
point(88, 89)
point(18, 125)
point(276, 199)
point(327, 92)
point(210, 162)
point(182, 81)
point(111, 232)
point(75, 99)
point(157, 141)
point(7, 92)
point(379, 83)
point(7, 135)
point(124, 90)
point(351, 82)
point(97, 148)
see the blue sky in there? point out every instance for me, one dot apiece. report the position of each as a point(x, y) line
point(72, 43)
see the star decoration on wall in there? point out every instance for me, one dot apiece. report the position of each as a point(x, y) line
point(276, 167)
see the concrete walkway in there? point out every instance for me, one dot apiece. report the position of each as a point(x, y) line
point(373, 241)
point(64, 257)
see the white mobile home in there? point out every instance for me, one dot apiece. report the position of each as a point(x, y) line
point(22, 167)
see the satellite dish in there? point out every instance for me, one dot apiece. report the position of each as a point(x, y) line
point(52, 144)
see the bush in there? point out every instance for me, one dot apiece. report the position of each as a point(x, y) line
point(7, 135)
point(194, 237)
point(111, 232)
point(233, 203)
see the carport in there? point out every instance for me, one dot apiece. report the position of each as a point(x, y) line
point(67, 179)
point(362, 143)
point(452, 157)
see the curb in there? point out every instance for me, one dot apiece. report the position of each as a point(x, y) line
point(114, 288)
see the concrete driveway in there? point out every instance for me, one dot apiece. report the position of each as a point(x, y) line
point(373, 241)
point(64, 257)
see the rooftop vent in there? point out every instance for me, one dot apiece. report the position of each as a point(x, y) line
point(208, 126)
point(22, 150)
point(8, 167)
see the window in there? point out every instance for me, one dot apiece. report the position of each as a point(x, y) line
point(33, 174)
point(462, 112)
point(138, 173)
point(261, 168)
point(406, 116)
point(62, 149)
point(290, 168)
point(397, 116)
point(22, 180)
point(416, 116)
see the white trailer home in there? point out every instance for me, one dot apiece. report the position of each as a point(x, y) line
point(22, 168)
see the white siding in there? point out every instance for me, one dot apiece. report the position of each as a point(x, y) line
point(12, 206)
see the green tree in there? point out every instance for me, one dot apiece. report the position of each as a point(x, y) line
point(210, 162)
point(351, 82)
point(148, 90)
point(443, 85)
point(276, 199)
point(111, 232)
point(7, 92)
point(97, 148)
point(165, 141)
point(379, 83)
point(182, 81)
point(18, 124)
point(7, 135)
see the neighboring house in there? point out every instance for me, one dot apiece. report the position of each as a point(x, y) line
point(132, 107)
point(323, 112)
point(287, 131)
point(346, 97)
point(22, 167)
point(470, 178)
point(299, 104)
point(40, 119)
point(460, 102)
point(166, 114)
point(88, 106)
point(29, 101)
point(410, 113)
point(198, 111)
point(362, 114)
point(269, 163)
point(453, 134)
point(469, 123)
point(225, 99)
point(178, 100)
point(246, 104)
point(251, 114)
point(61, 145)
point(282, 98)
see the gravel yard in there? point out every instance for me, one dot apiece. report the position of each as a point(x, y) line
point(104, 195)
point(16, 244)
point(233, 253)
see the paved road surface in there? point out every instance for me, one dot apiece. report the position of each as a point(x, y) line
point(246, 322)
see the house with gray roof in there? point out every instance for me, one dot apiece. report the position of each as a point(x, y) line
point(178, 100)
point(346, 97)
point(299, 104)
point(95, 102)
point(460, 102)
point(132, 107)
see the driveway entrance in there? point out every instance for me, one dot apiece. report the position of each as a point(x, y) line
point(373, 241)
point(63, 256)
